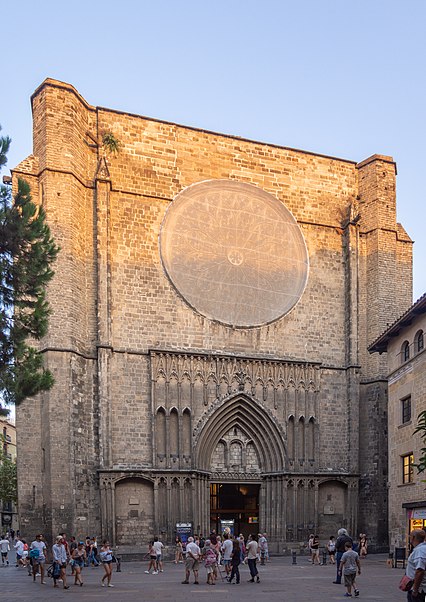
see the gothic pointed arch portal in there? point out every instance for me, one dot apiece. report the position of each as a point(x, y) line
point(242, 449)
point(252, 425)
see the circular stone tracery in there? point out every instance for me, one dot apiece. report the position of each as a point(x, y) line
point(234, 252)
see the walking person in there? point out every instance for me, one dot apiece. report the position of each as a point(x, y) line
point(59, 554)
point(19, 550)
point(5, 549)
point(235, 562)
point(38, 554)
point(252, 550)
point(193, 553)
point(416, 566)
point(342, 538)
point(158, 550)
point(78, 560)
point(152, 559)
point(315, 550)
point(106, 559)
point(349, 564)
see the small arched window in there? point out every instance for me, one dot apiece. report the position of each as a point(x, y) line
point(405, 352)
point(419, 342)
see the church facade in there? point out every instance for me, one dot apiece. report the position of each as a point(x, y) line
point(212, 305)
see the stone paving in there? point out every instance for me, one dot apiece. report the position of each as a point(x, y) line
point(280, 580)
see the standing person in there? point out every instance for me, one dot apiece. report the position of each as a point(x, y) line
point(158, 549)
point(78, 559)
point(252, 549)
point(242, 546)
point(106, 559)
point(315, 550)
point(192, 560)
point(363, 545)
point(227, 552)
point(4, 548)
point(310, 540)
point(416, 566)
point(72, 547)
point(59, 554)
point(331, 547)
point(152, 559)
point(93, 552)
point(349, 564)
point(263, 548)
point(235, 561)
point(38, 554)
point(210, 561)
point(342, 538)
point(178, 550)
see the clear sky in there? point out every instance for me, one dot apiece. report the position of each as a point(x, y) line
point(337, 77)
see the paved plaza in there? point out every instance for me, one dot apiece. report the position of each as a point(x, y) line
point(280, 580)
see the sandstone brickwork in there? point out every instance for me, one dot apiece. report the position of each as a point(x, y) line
point(148, 391)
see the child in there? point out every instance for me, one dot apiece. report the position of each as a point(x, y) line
point(348, 564)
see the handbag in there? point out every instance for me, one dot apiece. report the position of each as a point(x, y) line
point(405, 584)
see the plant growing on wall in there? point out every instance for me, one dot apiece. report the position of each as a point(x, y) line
point(8, 477)
point(421, 428)
point(27, 251)
point(110, 143)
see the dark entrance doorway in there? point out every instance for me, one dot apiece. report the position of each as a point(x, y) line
point(235, 501)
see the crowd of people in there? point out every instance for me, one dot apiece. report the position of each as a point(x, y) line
point(76, 554)
point(221, 556)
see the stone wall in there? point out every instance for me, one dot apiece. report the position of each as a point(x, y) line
point(112, 303)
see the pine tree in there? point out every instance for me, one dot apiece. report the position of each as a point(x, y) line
point(27, 251)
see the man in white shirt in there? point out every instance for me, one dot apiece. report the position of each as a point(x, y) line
point(4, 549)
point(416, 566)
point(252, 549)
point(158, 547)
point(19, 549)
point(192, 560)
point(227, 553)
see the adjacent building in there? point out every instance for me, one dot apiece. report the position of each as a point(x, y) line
point(9, 514)
point(404, 342)
point(212, 306)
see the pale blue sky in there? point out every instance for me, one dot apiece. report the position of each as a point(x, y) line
point(338, 77)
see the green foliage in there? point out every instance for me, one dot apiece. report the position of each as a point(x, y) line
point(8, 477)
point(421, 428)
point(27, 251)
point(110, 143)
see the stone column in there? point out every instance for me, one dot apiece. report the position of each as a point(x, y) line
point(102, 194)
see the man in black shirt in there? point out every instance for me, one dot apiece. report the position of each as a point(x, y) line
point(342, 538)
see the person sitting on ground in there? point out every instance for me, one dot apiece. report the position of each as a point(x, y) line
point(349, 564)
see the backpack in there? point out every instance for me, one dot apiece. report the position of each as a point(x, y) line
point(34, 553)
point(210, 558)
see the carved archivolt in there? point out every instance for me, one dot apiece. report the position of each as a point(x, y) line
point(206, 378)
